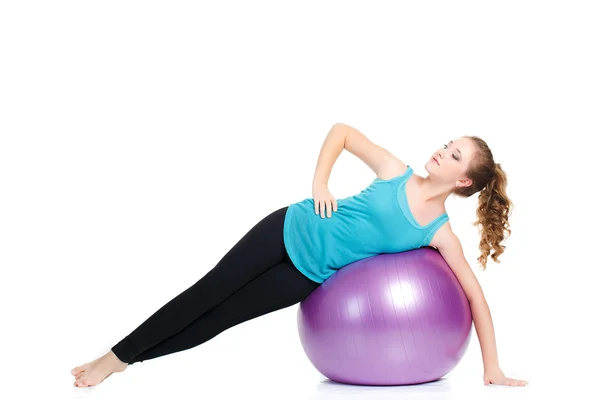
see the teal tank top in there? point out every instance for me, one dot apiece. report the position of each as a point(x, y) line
point(377, 220)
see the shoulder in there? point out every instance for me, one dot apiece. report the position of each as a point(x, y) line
point(391, 167)
point(445, 237)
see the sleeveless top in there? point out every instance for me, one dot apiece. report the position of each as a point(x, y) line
point(377, 220)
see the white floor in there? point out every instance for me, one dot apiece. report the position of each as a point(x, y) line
point(243, 363)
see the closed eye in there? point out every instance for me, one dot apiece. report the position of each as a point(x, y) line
point(453, 154)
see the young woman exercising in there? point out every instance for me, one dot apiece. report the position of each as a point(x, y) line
point(278, 263)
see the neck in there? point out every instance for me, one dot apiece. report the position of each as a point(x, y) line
point(435, 192)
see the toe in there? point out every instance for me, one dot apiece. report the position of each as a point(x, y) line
point(77, 370)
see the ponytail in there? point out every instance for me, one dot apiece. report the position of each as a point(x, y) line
point(493, 210)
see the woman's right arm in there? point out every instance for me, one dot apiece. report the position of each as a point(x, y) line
point(342, 136)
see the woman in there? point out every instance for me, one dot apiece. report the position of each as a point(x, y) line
point(278, 263)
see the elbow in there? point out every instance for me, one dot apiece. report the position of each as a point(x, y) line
point(338, 126)
point(341, 129)
point(474, 293)
point(476, 297)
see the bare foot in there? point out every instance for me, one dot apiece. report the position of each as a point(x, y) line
point(94, 372)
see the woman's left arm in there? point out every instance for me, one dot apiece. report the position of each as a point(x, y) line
point(450, 248)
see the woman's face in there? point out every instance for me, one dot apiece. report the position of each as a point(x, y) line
point(450, 162)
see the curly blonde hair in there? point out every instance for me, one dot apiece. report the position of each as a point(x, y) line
point(494, 206)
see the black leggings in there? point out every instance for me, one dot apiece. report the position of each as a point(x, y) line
point(254, 278)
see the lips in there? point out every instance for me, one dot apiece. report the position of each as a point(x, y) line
point(435, 160)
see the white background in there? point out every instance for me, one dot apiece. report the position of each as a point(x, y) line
point(140, 140)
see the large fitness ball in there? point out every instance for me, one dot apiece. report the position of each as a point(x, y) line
point(390, 319)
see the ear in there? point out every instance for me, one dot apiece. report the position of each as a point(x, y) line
point(464, 182)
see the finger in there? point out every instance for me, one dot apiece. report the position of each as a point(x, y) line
point(316, 207)
point(322, 205)
point(334, 205)
point(329, 207)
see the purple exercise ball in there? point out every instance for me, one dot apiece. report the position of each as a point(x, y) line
point(390, 319)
